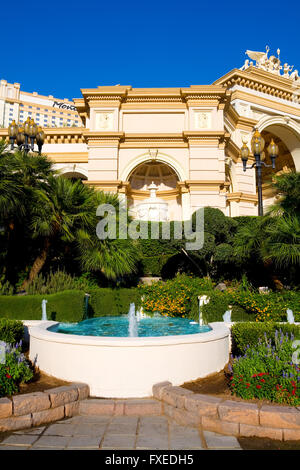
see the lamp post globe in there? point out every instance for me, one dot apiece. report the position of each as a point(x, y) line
point(257, 147)
point(26, 135)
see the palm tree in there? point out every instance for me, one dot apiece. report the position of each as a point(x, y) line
point(287, 187)
point(22, 178)
point(11, 191)
point(69, 214)
point(282, 243)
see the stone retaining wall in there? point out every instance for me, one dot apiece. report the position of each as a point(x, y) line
point(228, 416)
point(211, 413)
point(35, 409)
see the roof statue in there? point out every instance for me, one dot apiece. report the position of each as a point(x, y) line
point(270, 64)
point(259, 57)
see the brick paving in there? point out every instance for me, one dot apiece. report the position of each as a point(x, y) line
point(116, 433)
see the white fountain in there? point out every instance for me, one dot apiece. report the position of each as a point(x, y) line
point(227, 314)
point(152, 208)
point(44, 313)
point(203, 300)
point(133, 324)
point(290, 316)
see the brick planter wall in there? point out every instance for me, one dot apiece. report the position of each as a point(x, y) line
point(228, 416)
point(35, 409)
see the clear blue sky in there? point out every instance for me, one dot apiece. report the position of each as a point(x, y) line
point(58, 47)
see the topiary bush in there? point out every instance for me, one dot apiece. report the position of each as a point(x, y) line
point(217, 306)
point(108, 301)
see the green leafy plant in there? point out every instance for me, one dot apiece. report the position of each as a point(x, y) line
point(6, 288)
point(11, 331)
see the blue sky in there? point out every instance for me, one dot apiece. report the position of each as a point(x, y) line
point(58, 47)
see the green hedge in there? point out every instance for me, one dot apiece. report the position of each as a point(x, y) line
point(11, 331)
point(244, 334)
point(217, 306)
point(152, 265)
point(63, 306)
point(68, 306)
point(108, 301)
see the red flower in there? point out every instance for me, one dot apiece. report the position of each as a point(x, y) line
point(293, 392)
point(260, 374)
point(262, 380)
point(247, 385)
point(254, 375)
point(258, 386)
point(8, 376)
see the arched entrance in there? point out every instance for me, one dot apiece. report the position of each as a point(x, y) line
point(286, 134)
point(284, 164)
point(74, 172)
point(164, 178)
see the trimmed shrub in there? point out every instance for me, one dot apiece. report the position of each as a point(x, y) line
point(107, 301)
point(11, 331)
point(248, 334)
point(217, 306)
point(63, 306)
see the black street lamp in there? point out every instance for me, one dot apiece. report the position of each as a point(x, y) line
point(257, 145)
point(25, 136)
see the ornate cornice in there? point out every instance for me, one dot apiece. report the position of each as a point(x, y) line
point(239, 122)
point(259, 80)
point(57, 135)
point(244, 197)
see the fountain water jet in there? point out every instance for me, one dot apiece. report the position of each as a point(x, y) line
point(290, 316)
point(133, 324)
point(44, 313)
point(227, 315)
point(203, 300)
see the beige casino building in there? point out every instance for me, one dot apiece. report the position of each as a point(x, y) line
point(186, 141)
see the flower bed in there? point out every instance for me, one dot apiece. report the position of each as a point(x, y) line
point(268, 371)
point(14, 370)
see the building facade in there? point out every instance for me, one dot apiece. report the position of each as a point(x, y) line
point(47, 111)
point(184, 140)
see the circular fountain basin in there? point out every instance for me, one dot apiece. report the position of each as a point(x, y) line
point(124, 367)
point(114, 326)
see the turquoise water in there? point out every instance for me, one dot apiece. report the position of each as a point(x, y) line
point(118, 327)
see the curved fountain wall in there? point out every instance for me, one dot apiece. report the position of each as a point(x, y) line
point(117, 367)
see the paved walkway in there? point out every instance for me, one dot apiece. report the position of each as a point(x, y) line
point(116, 433)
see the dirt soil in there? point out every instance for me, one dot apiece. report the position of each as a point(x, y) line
point(41, 382)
